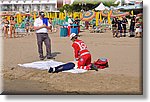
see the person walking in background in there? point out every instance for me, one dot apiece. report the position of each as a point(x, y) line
point(81, 53)
point(50, 22)
point(87, 24)
point(27, 26)
point(70, 22)
point(77, 22)
point(124, 22)
point(114, 27)
point(132, 26)
point(31, 20)
point(120, 26)
point(41, 27)
point(138, 27)
point(12, 27)
point(6, 27)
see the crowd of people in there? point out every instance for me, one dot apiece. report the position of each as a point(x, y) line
point(119, 27)
point(10, 27)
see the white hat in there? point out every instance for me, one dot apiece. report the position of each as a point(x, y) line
point(72, 35)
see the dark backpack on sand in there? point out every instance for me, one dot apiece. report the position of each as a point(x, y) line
point(101, 63)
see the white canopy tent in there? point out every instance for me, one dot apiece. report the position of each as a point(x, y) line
point(20, 2)
point(28, 2)
point(100, 7)
point(6, 2)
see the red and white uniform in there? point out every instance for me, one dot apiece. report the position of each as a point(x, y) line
point(82, 55)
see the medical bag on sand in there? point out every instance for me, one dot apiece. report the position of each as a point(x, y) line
point(101, 63)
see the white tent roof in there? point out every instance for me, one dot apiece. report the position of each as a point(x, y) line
point(36, 1)
point(20, 2)
point(100, 7)
point(28, 2)
point(13, 2)
point(6, 2)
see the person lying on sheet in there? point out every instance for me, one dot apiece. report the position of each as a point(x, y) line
point(63, 67)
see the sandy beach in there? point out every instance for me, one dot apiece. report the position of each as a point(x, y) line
point(124, 75)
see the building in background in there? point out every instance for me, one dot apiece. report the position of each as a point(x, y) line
point(66, 2)
point(29, 5)
point(59, 3)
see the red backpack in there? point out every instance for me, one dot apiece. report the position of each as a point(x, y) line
point(101, 63)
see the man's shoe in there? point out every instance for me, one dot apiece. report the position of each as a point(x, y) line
point(93, 67)
point(41, 58)
point(49, 56)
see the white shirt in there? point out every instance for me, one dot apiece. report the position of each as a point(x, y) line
point(69, 21)
point(38, 22)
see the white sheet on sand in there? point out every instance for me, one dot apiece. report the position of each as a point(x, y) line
point(45, 65)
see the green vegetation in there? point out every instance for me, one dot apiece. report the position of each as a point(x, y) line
point(87, 5)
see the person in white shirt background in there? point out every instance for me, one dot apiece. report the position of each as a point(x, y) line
point(70, 21)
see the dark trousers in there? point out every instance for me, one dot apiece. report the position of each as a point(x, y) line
point(131, 30)
point(65, 67)
point(43, 37)
point(124, 28)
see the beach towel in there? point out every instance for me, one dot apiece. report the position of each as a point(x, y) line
point(45, 65)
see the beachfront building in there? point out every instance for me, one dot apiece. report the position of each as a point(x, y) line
point(66, 2)
point(30, 5)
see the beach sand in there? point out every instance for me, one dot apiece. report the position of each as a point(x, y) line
point(124, 75)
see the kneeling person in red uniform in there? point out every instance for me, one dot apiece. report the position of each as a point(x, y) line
point(82, 55)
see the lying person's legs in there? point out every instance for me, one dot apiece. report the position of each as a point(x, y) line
point(62, 67)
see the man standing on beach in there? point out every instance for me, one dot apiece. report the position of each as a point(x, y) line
point(82, 55)
point(124, 22)
point(114, 27)
point(41, 29)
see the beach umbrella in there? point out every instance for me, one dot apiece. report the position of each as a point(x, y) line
point(59, 15)
point(132, 13)
point(47, 15)
point(71, 14)
point(34, 15)
point(119, 14)
point(100, 16)
point(105, 13)
point(55, 14)
point(87, 16)
point(80, 15)
point(50, 15)
point(62, 15)
point(97, 18)
point(19, 18)
point(8, 17)
point(109, 21)
point(76, 14)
